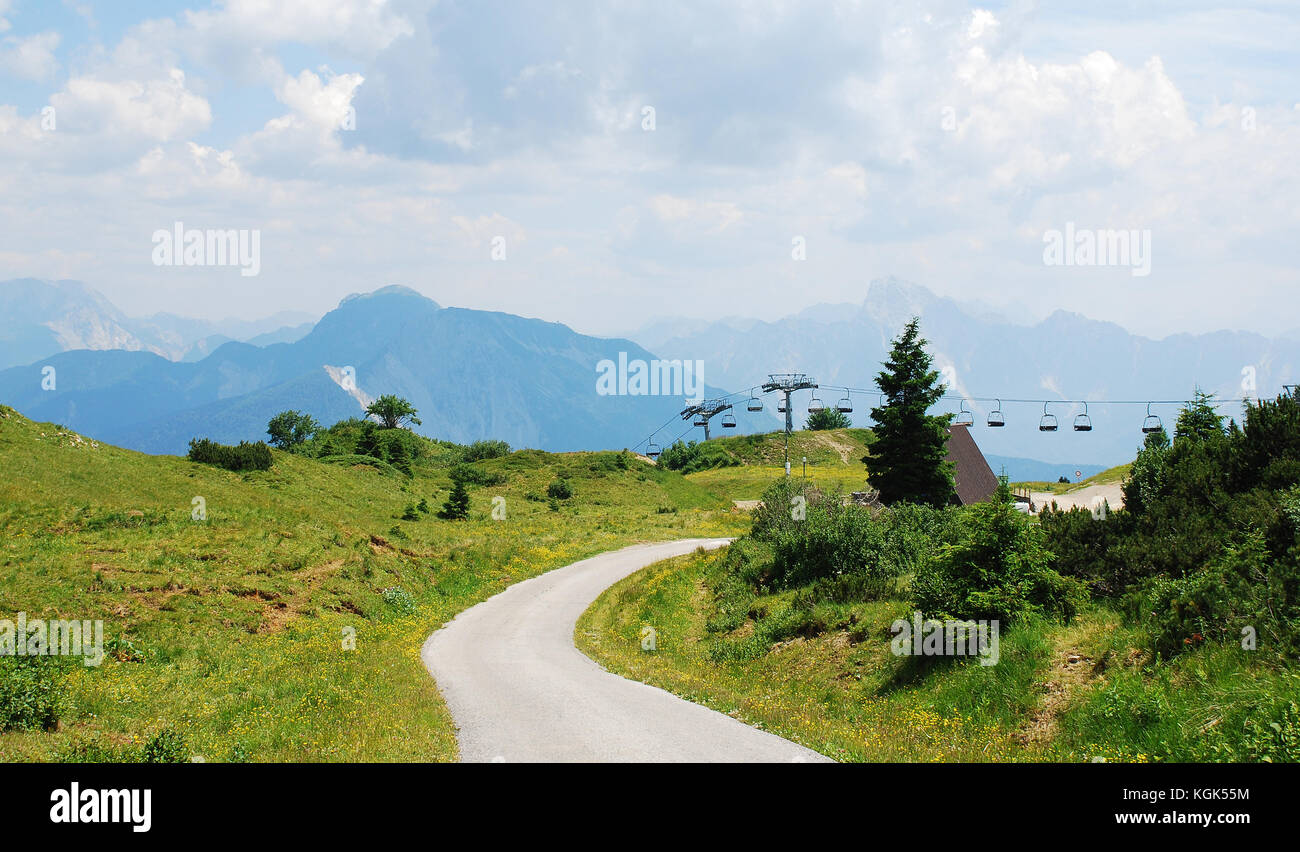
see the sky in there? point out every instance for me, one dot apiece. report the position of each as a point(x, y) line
point(603, 164)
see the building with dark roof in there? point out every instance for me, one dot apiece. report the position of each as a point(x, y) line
point(972, 475)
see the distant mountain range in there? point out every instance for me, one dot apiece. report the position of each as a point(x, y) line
point(43, 318)
point(471, 374)
point(152, 384)
point(1066, 356)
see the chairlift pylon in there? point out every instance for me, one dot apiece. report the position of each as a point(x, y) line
point(995, 416)
point(1152, 423)
point(964, 417)
point(1082, 422)
point(1047, 423)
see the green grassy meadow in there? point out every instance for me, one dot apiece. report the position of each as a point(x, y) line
point(229, 631)
point(1078, 692)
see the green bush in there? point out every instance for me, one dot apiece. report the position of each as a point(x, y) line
point(1095, 551)
point(1000, 570)
point(832, 540)
point(559, 489)
point(400, 600)
point(1209, 537)
point(480, 450)
point(245, 456)
point(31, 693)
point(167, 746)
point(398, 447)
point(471, 475)
point(1241, 589)
point(692, 457)
point(775, 513)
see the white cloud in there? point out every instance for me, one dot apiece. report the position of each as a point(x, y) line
point(478, 121)
point(30, 57)
point(160, 109)
point(363, 27)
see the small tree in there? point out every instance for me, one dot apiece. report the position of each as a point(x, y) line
point(457, 506)
point(288, 429)
point(907, 461)
point(827, 418)
point(1146, 478)
point(1198, 420)
point(559, 489)
point(392, 411)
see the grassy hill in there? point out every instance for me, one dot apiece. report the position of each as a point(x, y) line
point(228, 631)
point(824, 676)
point(747, 464)
point(1111, 476)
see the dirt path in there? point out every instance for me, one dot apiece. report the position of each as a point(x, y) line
point(1085, 498)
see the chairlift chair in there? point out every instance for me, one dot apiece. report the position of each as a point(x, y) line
point(845, 405)
point(755, 404)
point(653, 450)
point(1152, 423)
point(1082, 422)
point(964, 416)
point(1047, 423)
point(728, 421)
point(780, 405)
point(701, 420)
point(995, 416)
point(815, 405)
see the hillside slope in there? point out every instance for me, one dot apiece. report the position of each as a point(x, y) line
point(229, 631)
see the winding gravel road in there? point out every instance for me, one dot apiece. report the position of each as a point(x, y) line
point(520, 691)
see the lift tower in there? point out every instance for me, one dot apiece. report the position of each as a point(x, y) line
point(704, 411)
point(788, 383)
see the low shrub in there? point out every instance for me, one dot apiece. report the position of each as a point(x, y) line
point(471, 475)
point(999, 570)
point(559, 489)
point(167, 746)
point(692, 457)
point(31, 693)
point(480, 450)
point(1241, 593)
point(399, 600)
point(245, 456)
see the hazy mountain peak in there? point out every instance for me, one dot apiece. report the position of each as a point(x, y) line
point(385, 292)
point(892, 302)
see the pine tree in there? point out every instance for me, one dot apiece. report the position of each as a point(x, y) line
point(457, 506)
point(1198, 420)
point(908, 451)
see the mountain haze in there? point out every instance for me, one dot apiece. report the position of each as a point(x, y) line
point(472, 375)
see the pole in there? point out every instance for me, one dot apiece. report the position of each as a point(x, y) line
point(788, 422)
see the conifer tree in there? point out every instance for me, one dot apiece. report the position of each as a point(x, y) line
point(909, 446)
